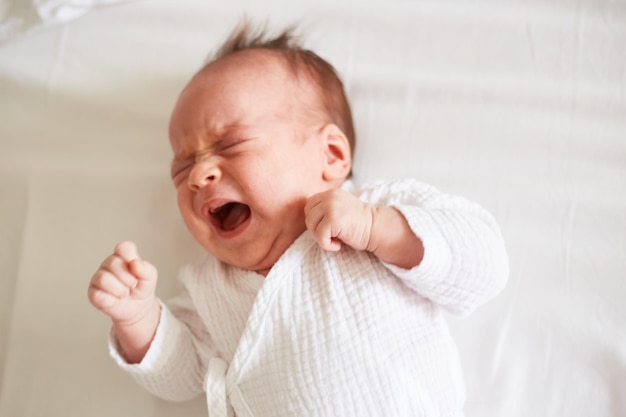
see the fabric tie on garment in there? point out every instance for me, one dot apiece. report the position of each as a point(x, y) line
point(215, 384)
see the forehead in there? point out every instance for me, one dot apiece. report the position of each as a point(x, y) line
point(259, 71)
point(250, 70)
point(250, 88)
point(247, 80)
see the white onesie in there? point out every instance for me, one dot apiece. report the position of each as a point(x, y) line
point(332, 333)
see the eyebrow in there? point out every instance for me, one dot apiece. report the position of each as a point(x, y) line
point(222, 134)
point(232, 127)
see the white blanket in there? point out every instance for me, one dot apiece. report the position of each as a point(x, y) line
point(518, 105)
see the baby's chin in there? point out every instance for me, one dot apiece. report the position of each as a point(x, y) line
point(262, 254)
point(262, 266)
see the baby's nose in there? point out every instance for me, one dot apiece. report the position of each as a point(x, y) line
point(204, 172)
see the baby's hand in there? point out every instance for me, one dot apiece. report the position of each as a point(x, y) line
point(336, 216)
point(124, 286)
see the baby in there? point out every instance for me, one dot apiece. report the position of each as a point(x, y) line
point(316, 298)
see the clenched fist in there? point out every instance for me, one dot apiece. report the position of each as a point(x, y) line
point(124, 288)
point(336, 216)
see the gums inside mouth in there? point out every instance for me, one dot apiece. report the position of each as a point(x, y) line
point(230, 215)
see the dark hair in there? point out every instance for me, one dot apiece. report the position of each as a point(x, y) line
point(321, 73)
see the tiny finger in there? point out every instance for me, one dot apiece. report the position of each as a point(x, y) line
point(101, 300)
point(331, 245)
point(109, 283)
point(120, 268)
point(144, 271)
point(127, 251)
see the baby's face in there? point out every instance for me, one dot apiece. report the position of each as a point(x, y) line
point(246, 157)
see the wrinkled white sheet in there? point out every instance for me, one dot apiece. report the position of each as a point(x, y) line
point(23, 16)
point(518, 105)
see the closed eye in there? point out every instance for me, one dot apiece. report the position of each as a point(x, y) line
point(230, 145)
point(179, 170)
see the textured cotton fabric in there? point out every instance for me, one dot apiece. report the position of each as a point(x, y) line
point(332, 333)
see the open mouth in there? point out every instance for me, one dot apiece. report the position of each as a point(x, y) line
point(230, 216)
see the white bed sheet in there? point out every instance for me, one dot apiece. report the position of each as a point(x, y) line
point(519, 105)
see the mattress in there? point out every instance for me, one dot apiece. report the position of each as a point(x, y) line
point(519, 105)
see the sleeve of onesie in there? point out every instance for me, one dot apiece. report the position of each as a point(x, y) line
point(465, 261)
point(175, 364)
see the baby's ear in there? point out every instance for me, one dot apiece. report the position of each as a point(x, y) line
point(337, 154)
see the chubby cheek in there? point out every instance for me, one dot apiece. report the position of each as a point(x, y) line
point(184, 200)
point(284, 210)
point(185, 206)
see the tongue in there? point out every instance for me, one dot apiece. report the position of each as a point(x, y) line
point(234, 215)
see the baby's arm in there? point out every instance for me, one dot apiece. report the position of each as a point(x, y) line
point(457, 247)
point(336, 216)
point(123, 288)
